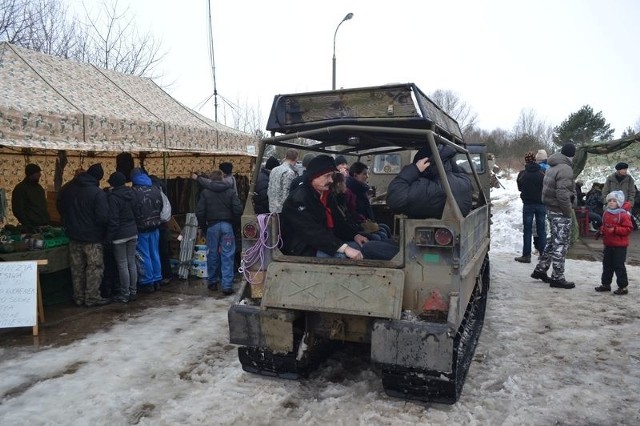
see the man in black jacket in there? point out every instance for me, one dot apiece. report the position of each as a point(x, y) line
point(217, 206)
point(260, 196)
point(312, 227)
point(28, 201)
point(418, 192)
point(530, 186)
point(84, 210)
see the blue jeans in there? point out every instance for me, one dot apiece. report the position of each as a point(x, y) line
point(529, 211)
point(220, 234)
point(148, 253)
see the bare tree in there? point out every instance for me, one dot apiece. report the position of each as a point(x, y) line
point(114, 43)
point(533, 130)
point(107, 38)
point(451, 103)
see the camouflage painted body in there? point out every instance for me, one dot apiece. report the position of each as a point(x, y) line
point(87, 268)
point(557, 246)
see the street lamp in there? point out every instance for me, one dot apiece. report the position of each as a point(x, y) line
point(346, 18)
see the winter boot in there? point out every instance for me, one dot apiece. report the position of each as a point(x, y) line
point(562, 284)
point(603, 288)
point(621, 290)
point(523, 259)
point(540, 276)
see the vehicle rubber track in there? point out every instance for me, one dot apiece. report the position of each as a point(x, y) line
point(444, 387)
point(265, 362)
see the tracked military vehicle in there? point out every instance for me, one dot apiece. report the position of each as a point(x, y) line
point(419, 315)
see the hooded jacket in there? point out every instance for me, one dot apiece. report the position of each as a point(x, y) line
point(304, 223)
point(260, 197)
point(122, 222)
point(616, 223)
point(626, 185)
point(421, 195)
point(84, 209)
point(147, 203)
point(218, 202)
point(558, 186)
point(530, 183)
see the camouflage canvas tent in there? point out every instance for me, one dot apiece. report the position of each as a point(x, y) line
point(52, 103)
point(599, 148)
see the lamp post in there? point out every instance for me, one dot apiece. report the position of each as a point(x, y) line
point(346, 18)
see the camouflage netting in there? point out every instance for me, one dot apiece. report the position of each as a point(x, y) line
point(607, 147)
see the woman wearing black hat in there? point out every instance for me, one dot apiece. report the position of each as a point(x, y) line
point(621, 181)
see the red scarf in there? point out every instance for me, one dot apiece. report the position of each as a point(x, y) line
point(324, 196)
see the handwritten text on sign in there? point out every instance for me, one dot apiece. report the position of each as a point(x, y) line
point(18, 284)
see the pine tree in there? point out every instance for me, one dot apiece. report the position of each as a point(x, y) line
point(582, 128)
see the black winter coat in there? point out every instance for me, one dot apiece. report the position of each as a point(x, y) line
point(122, 222)
point(218, 202)
point(84, 209)
point(261, 198)
point(530, 184)
point(421, 195)
point(304, 224)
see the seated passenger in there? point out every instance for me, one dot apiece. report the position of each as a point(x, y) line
point(370, 229)
point(417, 191)
point(311, 225)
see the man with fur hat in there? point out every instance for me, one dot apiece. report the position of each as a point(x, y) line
point(311, 225)
point(558, 195)
point(28, 201)
point(530, 186)
point(84, 210)
point(621, 181)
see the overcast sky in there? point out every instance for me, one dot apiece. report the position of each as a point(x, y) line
point(500, 56)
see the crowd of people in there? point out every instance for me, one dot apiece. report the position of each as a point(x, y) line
point(549, 193)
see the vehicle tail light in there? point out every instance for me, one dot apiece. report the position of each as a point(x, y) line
point(443, 237)
point(250, 231)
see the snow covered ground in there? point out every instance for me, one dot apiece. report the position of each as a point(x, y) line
point(545, 356)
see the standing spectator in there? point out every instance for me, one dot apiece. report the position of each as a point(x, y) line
point(227, 176)
point(84, 210)
point(28, 201)
point(342, 165)
point(260, 196)
point(217, 206)
point(558, 193)
point(594, 203)
point(541, 159)
point(280, 180)
point(615, 230)
point(122, 232)
point(530, 187)
point(621, 181)
point(147, 205)
point(306, 159)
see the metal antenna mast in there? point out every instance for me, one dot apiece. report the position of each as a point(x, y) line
point(213, 65)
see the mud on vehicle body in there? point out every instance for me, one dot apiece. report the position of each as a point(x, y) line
point(419, 314)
